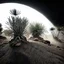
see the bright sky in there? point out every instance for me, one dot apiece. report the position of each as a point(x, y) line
point(31, 14)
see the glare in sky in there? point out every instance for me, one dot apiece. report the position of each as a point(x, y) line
point(31, 14)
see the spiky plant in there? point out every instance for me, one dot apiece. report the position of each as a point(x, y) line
point(37, 29)
point(17, 25)
point(14, 12)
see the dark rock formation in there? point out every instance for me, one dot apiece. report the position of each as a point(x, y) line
point(2, 37)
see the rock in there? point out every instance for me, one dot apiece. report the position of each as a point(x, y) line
point(2, 37)
point(18, 44)
point(60, 49)
point(36, 39)
point(39, 39)
point(47, 42)
point(58, 46)
point(31, 38)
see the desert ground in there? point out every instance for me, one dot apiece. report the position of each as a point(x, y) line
point(33, 52)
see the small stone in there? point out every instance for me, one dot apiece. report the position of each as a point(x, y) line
point(36, 39)
point(47, 42)
point(58, 46)
point(18, 44)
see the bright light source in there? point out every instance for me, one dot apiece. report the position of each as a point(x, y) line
point(31, 14)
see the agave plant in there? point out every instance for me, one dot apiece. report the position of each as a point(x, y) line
point(37, 29)
point(17, 25)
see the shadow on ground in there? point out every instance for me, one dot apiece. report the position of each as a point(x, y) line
point(31, 53)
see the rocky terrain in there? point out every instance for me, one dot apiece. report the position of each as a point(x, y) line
point(33, 52)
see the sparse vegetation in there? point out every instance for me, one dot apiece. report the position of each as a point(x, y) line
point(37, 29)
point(17, 24)
point(31, 53)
